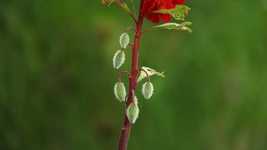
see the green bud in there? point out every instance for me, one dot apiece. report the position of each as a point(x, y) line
point(118, 59)
point(120, 91)
point(124, 40)
point(132, 112)
point(147, 90)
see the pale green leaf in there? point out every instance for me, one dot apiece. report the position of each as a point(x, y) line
point(175, 26)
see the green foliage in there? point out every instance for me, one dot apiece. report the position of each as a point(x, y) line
point(175, 26)
point(178, 13)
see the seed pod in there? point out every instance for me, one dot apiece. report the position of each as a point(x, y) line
point(118, 59)
point(124, 40)
point(120, 91)
point(147, 90)
point(132, 112)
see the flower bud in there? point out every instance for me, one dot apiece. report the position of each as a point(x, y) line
point(120, 91)
point(132, 112)
point(118, 59)
point(147, 90)
point(124, 40)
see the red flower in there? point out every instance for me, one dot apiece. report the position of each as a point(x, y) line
point(150, 6)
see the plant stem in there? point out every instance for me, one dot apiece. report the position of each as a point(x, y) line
point(126, 129)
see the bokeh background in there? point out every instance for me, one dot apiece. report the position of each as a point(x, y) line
point(56, 78)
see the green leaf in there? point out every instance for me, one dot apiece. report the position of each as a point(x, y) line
point(178, 13)
point(147, 72)
point(175, 26)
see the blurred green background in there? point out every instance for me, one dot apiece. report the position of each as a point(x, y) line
point(56, 78)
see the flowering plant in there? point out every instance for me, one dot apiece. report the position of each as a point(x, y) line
point(160, 13)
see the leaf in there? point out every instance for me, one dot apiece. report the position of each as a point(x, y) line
point(175, 26)
point(170, 25)
point(185, 28)
point(178, 13)
point(148, 72)
point(118, 59)
point(124, 40)
point(147, 90)
point(120, 91)
point(132, 112)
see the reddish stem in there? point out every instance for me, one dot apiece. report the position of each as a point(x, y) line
point(126, 129)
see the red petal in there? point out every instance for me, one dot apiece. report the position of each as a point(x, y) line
point(150, 6)
point(165, 18)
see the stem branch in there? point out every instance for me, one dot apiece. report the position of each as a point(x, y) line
point(126, 129)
